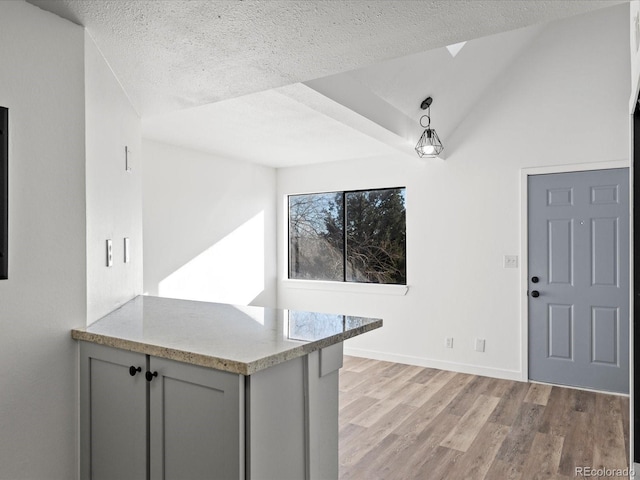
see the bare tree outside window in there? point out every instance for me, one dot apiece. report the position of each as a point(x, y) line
point(316, 245)
point(372, 247)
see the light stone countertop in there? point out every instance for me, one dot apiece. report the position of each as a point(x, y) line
point(231, 338)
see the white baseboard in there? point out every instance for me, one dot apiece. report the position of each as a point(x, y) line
point(439, 364)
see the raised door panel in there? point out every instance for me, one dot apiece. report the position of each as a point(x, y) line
point(196, 422)
point(605, 335)
point(560, 337)
point(114, 414)
point(605, 256)
point(560, 248)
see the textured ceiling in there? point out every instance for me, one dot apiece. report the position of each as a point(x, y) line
point(170, 55)
point(295, 125)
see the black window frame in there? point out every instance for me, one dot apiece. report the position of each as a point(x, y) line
point(344, 194)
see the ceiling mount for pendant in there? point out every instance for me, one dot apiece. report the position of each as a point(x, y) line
point(426, 103)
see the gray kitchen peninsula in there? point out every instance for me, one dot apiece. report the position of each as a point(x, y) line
point(184, 390)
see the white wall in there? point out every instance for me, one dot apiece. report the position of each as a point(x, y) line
point(209, 227)
point(634, 49)
point(114, 195)
point(41, 82)
point(564, 101)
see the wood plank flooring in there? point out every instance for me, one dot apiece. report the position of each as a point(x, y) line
point(402, 422)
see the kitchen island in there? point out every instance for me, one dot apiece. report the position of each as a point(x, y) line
point(177, 389)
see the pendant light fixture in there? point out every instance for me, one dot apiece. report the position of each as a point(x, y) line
point(429, 144)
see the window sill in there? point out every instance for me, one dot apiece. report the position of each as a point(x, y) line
point(371, 288)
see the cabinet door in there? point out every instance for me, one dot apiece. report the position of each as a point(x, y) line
point(113, 409)
point(196, 422)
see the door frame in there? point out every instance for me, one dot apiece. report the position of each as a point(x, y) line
point(524, 242)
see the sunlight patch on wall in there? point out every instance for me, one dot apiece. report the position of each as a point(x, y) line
point(230, 271)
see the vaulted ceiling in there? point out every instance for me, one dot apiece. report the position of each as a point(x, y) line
point(210, 75)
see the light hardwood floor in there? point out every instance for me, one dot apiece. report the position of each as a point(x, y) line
point(402, 422)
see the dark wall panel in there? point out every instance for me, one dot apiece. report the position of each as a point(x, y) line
point(636, 282)
point(4, 192)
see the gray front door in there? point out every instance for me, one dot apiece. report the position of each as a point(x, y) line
point(579, 279)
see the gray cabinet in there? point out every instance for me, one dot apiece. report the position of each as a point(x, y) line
point(177, 421)
point(292, 418)
point(185, 423)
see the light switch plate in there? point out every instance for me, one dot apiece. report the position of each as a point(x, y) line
point(510, 261)
point(109, 253)
point(127, 250)
point(127, 159)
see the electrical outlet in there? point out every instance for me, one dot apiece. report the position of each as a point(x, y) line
point(510, 261)
point(109, 253)
point(479, 344)
point(448, 342)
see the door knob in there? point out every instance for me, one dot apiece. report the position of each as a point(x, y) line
point(535, 279)
point(149, 376)
point(133, 370)
point(534, 294)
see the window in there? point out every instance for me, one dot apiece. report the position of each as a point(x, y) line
point(353, 236)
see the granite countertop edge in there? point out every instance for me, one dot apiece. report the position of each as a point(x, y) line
point(219, 363)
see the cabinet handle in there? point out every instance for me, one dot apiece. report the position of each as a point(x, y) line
point(149, 376)
point(133, 370)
